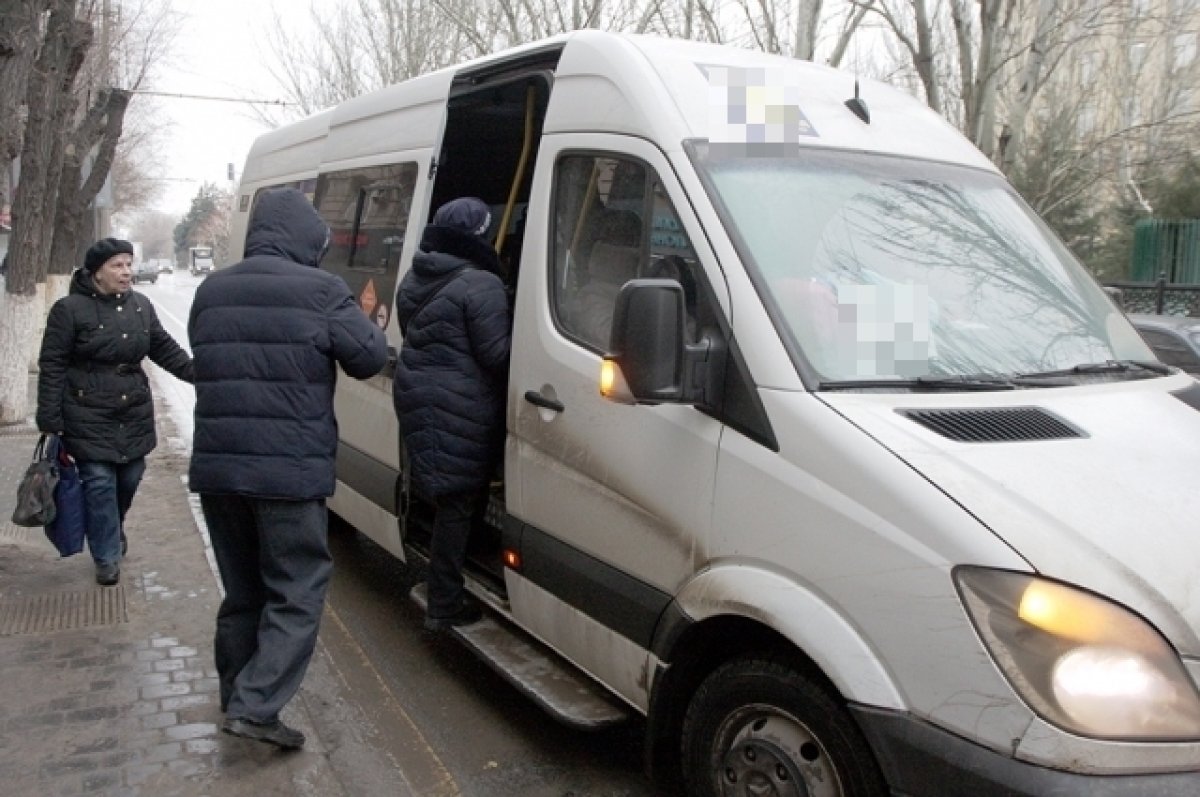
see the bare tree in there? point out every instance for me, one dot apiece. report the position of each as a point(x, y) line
point(49, 87)
point(135, 183)
point(136, 37)
point(20, 32)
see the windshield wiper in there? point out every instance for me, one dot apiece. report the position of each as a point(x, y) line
point(948, 383)
point(1106, 367)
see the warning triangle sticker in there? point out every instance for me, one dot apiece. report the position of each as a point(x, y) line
point(367, 299)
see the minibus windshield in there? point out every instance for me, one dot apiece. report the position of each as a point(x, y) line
point(879, 268)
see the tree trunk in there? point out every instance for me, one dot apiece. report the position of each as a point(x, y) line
point(21, 312)
point(981, 115)
point(924, 60)
point(1031, 77)
point(53, 74)
point(19, 36)
point(100, 130)
point(808, 18)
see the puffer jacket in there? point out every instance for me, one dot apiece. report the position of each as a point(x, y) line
point(268, 334)
point(451, 378)
point(91, 386)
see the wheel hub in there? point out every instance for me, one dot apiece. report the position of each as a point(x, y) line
point(769, 753)
point(758, 768)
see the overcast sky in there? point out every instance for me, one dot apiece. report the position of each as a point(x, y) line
point(221, 51)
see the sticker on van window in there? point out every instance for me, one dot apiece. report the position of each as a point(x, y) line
point(381, 316)
point(754, 111)
point(368, 299)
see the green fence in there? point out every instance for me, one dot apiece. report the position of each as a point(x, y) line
point(1166, 249)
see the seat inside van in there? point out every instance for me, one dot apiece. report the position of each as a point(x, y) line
point(612, 261)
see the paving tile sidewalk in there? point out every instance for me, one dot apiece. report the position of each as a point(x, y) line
point(111, 690)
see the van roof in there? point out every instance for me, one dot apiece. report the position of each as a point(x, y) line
point(611, 71)
point(663, 90)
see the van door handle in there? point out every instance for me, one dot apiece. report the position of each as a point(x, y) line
point(537, 399)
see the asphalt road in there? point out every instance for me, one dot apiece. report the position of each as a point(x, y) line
point(441, 716)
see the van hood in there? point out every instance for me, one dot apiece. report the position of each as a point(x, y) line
point(1112, 506)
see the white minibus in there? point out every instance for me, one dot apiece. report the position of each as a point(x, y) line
point(823, 454)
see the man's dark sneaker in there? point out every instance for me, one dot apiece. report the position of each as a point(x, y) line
point(107, 575)
point(275, 733)
point(468, 612)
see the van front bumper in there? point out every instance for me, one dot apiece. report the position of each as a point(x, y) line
point(920, 759)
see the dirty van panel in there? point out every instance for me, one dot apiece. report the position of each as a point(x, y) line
point(600, 484)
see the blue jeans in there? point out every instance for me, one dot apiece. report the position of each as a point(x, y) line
point(108, 489)
point(275, 564)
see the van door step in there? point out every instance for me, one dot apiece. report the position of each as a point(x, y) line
point(544, 676)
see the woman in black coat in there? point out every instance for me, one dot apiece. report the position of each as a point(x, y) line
point(93, 392)
point(450, 387)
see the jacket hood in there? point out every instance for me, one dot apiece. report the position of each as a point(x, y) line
point(463, 245)
point(285, 224)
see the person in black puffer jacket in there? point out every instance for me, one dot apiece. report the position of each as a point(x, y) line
point(268, 335)
point(92, 389)
point(450, 387)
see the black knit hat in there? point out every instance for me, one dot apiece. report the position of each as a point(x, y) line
point(465, 214)
point(104, 250)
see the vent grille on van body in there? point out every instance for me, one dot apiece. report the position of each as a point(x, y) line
point(994, 425)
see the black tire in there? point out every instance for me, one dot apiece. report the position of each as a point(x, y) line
point(757, 726)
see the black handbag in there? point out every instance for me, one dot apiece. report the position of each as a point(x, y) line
point(35, 494)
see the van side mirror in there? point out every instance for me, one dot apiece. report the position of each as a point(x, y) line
point(649, 360)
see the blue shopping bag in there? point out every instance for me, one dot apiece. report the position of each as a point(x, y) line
point(69, 527)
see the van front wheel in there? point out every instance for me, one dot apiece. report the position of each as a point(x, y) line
point(756, 726)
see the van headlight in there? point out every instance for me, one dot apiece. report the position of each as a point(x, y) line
point(1084, 663)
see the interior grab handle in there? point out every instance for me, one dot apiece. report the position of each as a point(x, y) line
point(537, 399)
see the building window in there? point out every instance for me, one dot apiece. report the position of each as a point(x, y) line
point(1085, 125)
point(1088, 66)
point(1185, 50)
point(1131, 111)
point(1182, 8)
point(1137, 56)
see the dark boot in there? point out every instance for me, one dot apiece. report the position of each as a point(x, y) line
point(108, 574)
point(275, 733)
point(468, 612)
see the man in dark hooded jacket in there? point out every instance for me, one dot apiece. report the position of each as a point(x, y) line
point(268, 335)
point(450, 388)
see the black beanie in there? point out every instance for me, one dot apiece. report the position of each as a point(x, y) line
point(465, 214)
point(104, 250)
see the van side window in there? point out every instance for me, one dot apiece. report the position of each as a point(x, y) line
point(613, 222)
point(308, 186)
point(367, 213)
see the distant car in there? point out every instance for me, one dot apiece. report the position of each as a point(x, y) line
point(1174, 339)
point(144, 271)
point(164, 266)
